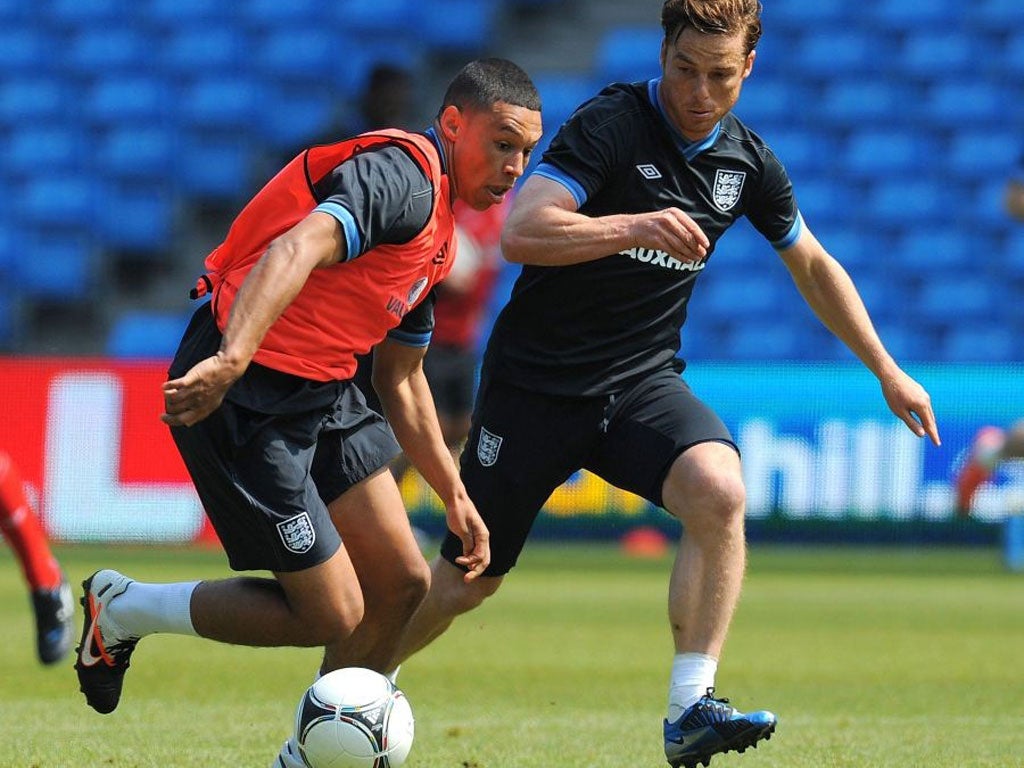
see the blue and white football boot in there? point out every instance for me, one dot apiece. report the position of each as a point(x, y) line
point(710, 727)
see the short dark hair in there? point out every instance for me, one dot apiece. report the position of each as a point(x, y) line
point(484, 82)
point(713, 17)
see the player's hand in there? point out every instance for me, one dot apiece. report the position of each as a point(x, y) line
point(465, 522)
point(198, 393)
point(672, 231)
point(909, 400)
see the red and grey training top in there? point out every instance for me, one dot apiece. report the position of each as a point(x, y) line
point(389, 191)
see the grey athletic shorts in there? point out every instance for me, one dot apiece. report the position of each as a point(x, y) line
point(276, 452)
point(524, 444)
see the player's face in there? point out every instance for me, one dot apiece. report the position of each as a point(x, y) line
point(701, 79)
point(489, 150)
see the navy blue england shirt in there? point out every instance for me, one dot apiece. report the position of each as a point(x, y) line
point(588, 329)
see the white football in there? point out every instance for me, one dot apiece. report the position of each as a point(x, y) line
point(354, 718)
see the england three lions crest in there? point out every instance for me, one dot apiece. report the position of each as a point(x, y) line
point(297, 533)
point(487, 448)
point(727, 189)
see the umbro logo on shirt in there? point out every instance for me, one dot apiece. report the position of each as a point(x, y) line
point(649, 171)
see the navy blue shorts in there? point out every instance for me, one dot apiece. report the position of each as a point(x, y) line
point(278, 450)
point(524, 444)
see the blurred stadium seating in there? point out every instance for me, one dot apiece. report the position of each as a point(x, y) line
point(898, 121)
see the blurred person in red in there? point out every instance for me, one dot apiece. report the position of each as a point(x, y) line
point(992, 445)
point(454, 354)
point(48, 586)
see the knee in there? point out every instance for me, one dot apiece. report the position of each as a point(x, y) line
point(414, 587)
point(462, 597)
point(335, 622)
point(706, 495)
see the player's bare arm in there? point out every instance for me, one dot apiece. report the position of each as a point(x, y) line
point(544, 228)
point(268, 289)
point(829, 291)
point(409, 407)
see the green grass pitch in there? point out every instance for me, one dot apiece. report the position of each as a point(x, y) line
point(885, 657)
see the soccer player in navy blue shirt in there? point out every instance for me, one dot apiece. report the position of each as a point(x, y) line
point(582, 369)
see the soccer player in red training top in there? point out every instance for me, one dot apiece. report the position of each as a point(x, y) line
point(341, 248)
point(52, 602)
point(614, 228)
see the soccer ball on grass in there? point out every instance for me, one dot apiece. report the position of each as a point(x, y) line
point(354, 718)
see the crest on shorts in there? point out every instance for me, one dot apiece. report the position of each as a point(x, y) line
point(297, 533)
point(416, 290)
point(487, 447)
point(728, 185)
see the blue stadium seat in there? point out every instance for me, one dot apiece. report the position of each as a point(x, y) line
point(122, 99)
point(220, 49)
point(803, 15)
point(770, 99)
point(823, 200)
point(895, 201)
point(744, 295)
point(1012, 255)
point(777, 340)
point(952, 300)
point(908, 15)
point(215, 167)
point(984, 342)
point(295, 14)
point(999, 15)
point(45, 149)
point(62, 202)
point(854, 102)
point(917, 55)
point(88, 13)
point(137, 152)
point(102, 50)
point(626, 54)
point(304, 52)
point(978, 154)
point(1013, 58)
point(35, 99)
point(24, 51)
point(188, 14)
point(985, 206)
point(456, 24)
point(934, 250)
point(884, 153)
point(954, 102)
point(384, 16)
point(560, 95)
point(55, 266)
point(221, 103)
point(296, 117)
point(136, 218)
point(146, 334)
point(804, 153)
point(840, 52)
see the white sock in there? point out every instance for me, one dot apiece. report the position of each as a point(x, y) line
point(144, 609)
point(692, 675)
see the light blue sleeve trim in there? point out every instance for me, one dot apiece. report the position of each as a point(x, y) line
point(409, 339)
point(549, 171)
point(792, 236)
point(353, 243)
